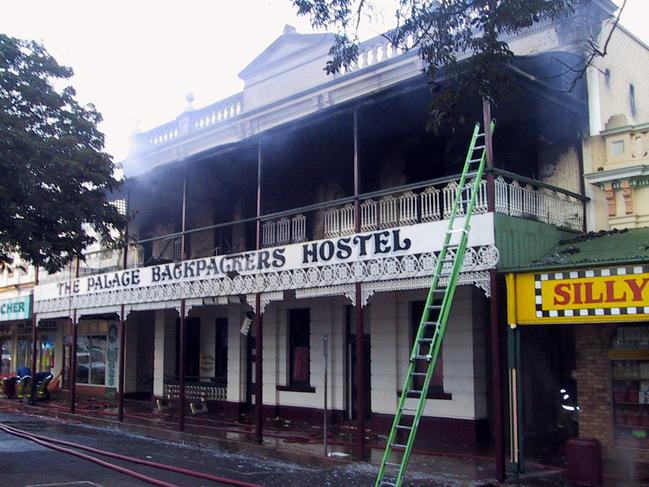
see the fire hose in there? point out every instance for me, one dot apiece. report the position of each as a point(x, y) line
point(60, 445)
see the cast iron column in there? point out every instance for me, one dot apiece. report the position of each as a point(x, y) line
point(496, 360)
point(73, 353)
point(32, 399)
point(122, 332)
point(73, 363)
point(358, 309)
point(122, 372)
point(181, 368)
point(34, 340)
point(259, 323)
point(183, 245)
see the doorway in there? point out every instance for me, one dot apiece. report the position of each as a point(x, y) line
point(192, 350)
point(351, 385)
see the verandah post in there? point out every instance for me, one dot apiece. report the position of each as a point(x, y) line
point(496, 360)
point(122, 372)
point(181, 368)
point(259, 319)
point(358, 309)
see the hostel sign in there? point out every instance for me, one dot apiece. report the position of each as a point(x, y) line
point(614, 294)
point(15, 308)
point(308, 264)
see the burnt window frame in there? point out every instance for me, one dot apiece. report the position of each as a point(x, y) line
point(436, 388)
point(221, 351)
point(298, 335)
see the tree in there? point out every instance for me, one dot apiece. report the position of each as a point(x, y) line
point(463, 42)
point(56, 176)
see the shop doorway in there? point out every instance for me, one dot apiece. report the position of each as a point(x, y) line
point(547, 358)
point(144, 349)
point(352, 385)
point(192, 350)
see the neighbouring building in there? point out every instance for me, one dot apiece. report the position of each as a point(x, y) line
point(579, 340)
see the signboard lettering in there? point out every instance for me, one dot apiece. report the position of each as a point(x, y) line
point(397, 242)
point(583, 296)
point(15, 308)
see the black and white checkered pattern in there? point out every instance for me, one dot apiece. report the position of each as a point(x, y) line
point(579, 274)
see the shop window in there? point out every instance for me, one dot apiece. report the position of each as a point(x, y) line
point(629, 356)
point(23, 353)
point(45, 354)
point(221, 351)
point(299, 347)
point(6, 352)
point(436, 388)
point(91, 359)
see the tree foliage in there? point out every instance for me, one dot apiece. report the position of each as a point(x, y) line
point(55, 175)
point(463, 42)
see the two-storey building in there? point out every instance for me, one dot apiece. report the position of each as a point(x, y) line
point(294, 227)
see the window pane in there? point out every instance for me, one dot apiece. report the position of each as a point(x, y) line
point(98, 360)
point(6, 350)
point(91, 359)
point(299, 353)
point(83, 360)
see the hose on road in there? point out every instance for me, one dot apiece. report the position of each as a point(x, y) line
point(59, 445)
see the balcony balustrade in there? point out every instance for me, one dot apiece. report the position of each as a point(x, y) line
point(514, 195)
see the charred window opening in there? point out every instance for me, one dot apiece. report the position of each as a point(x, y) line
point(299, 325)
point(308, 163)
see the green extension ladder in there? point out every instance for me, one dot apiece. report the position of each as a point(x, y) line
point(435, 317)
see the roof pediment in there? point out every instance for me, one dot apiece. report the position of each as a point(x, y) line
point(289, 45)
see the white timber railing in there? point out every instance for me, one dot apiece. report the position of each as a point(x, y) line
point(540, 203)
point(515, 196)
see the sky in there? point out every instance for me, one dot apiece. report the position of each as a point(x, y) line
point(136, 60)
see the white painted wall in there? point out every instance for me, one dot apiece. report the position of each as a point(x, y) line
point(164, 353)
point(389, 318)
point(463, 364)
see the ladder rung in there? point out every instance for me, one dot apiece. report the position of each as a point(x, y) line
point(419, 374)
point(409, 409)
point(402, 427)
point(481, 134)
point(415, 391)
point(457, 230)
point(474, 160)
point(430, 323)
point(385, 482)
point(435, 306)
point(422, 357)
point(478, 147)
point(439, 291)
point(425, 340)
point(390, 464)
point(399, 445)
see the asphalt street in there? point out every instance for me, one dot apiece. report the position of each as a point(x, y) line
point(25, 463)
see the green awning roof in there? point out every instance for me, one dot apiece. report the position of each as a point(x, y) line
point(615, 247)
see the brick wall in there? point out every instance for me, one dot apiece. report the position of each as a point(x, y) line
point(594, 390)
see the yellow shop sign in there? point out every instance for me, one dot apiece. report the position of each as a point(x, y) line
point(615, 294)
